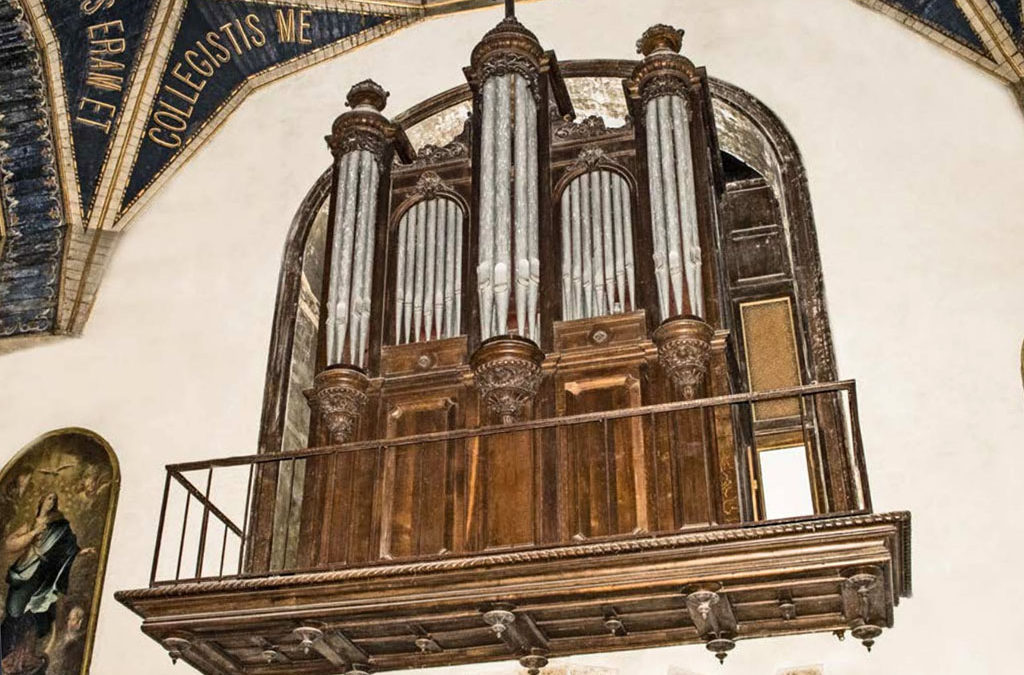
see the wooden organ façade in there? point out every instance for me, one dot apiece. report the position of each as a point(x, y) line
point(558, 364)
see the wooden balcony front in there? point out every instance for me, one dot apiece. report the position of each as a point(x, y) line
point(607, 533)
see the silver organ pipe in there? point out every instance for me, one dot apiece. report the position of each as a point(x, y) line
point(596, 242)
point(585, 249)
point(418, 279)
point(687, 203)
point(351, 275)
point(671, 202)
point(457, 315)
point(626, 209)
point(403, 232)
point(449, 292)
point(485, 266)
point(440, 253)
point(508, 263)
point(428, 282)
point(657, 211)
point(533, 209)
point(576, 250)
point(568, 306)
point(522, 252)
point(430, 246)
point(597, 246)
point(409, 280)
point(608, 231)
point(677, 255)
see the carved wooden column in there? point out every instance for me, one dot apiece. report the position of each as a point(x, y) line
point(669, 101)
point(363, 143)
point(514, 278)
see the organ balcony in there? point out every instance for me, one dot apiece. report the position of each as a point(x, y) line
point(553, 387)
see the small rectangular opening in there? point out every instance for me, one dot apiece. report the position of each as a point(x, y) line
point(785, 485)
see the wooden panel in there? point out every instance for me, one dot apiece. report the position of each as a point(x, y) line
point(419, 479)
point(607, 476)
point(771, 354)
point(755, 242)
point(422, 357)
point(504, 467)
point(605, 331)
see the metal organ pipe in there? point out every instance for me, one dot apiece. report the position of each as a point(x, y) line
point(597, 265)
point(351, 275)
point(508, 269)
point(429, 270)
point(533, 209)
point(688, 203)
point(657, 210)
point(597, 246)
point(485, 266)
point(585, 249)
point(677, 255)
point(502, 206)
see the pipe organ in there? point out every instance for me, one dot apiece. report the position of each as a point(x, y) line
point(549, 362)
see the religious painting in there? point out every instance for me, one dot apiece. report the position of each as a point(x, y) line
point(57, 503)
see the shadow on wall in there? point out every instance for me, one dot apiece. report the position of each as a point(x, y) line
point(57, 502)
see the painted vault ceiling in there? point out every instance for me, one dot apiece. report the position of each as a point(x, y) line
point(102, 100)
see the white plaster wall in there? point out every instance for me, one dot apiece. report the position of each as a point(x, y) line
point(915, 162)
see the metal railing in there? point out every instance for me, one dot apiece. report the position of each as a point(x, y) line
point(218, 516)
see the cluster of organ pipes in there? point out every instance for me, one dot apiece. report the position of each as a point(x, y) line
point(350, 290)
point(677, 257)
point(598, 272)
point(509, 216)
point(428, 284)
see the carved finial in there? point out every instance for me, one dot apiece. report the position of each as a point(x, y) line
point(660, 38)
point(367, 93)
point(510, 8)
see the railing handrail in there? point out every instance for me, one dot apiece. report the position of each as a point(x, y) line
point(531, 425)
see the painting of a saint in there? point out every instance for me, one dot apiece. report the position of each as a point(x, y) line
point(57, 502)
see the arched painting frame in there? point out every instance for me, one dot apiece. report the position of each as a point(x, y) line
point(82, 470)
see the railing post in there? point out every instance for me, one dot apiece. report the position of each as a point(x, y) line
point(858, 448)
point(160, 529)
point(201, 553)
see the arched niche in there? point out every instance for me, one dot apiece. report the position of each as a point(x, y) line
point(58, 497)
point(749, 133)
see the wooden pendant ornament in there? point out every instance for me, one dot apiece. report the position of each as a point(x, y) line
point(338, 397)
point(508, 372)
point(684, 350)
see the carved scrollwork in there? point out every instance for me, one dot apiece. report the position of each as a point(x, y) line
point(457, 148)
point(663, 85)
point(589, 127)
point(430, 185)
point(508, 374)
point(589, 158)
point(358, 139)
point(338, 396)
point(684, 350)
point(508, 63)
